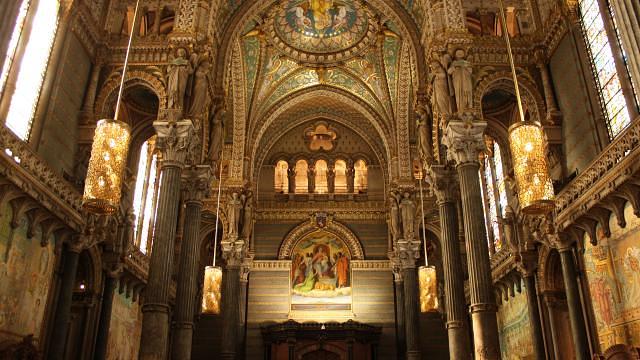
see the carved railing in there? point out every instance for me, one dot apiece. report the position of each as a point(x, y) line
point(613, 167)
point(26, 170)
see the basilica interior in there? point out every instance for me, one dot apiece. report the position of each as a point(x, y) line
point(320, 179)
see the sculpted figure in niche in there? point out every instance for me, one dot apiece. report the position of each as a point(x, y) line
point(394, 216)
point(216, 136)
point(441, 95)
point(247, 218)
point(408, 213)
point(460, 71)
point(178, 73)
point(234, 206)
point(200, 93)
point(426, 148)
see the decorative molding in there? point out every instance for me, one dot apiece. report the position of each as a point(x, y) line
point(271, 265)
point(370, 265)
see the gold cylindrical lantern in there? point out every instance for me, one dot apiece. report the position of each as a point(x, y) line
point(211, 290)
point(428, 289)
point(529, 152)
point(106, 166)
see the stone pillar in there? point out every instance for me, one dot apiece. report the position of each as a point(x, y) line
point(398, 283)
point(58, 338)
point(408, 253)
point(311, 179)
point(87, 113)
point(173, 141)
point(233, 253)
point(102, 338)
point(331, 178)
point(551, 303)
point(553, 112)
point(242, 306)
point(444, 185)
point(464, 140)
point(195, 183)
point(156, 24)
point(291, 176)
point(628, 20)
point(527, 268)
point(578, 329)
point(351, 177)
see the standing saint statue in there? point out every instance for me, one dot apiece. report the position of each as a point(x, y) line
point(460, 71)
point(441, 94)
point(394, 216)
point(216, 136)
point(234, 206)
point(408, 213)
point(426, 148)
point(247, 218)
point(200, 93)
point(178, 73)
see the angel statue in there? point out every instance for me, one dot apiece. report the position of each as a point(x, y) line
point(178, 73)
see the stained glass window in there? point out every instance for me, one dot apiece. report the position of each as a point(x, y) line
point(145, 195)
point(494, 193)
point(33, 66)
point(604, 67)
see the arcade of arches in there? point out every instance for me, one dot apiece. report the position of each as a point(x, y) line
point(320, 153)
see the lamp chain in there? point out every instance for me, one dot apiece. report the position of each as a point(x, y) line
point(126, 59)
point(215, 235)
point(505, 32)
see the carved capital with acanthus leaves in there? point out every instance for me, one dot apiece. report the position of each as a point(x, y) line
point(233, 251)
point(394, 261)
point(196, 181)
point(173, 141)
point(443, 183)
point(464, 140)
point(528, 263)
point(408, 251)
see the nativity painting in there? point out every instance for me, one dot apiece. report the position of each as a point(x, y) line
point(321, 273)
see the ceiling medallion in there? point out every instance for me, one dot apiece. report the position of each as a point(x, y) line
point(321, 31)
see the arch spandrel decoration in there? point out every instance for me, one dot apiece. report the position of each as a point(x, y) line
point(320, 223)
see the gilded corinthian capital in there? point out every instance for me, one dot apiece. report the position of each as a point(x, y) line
point(173, 140)
point(464, 140)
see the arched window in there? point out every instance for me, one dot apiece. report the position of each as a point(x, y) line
point(146, 195)
point(603, 64)
point(302, 182)
point(322, 185)
point(28, 67)
point(341, 177)
point(494, 193)
point(360, 181)
point(281, 179)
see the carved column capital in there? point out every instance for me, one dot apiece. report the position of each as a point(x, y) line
point(464, 140)
point(173, 141)
point(196, 181)
point(233, 251)
point(443, 183)
point(394, 260)
point(528, 263)
point(408, 251)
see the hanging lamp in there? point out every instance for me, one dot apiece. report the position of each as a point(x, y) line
point(528, 149)
point(427, 278)
point(102, 187)
point(211, 291)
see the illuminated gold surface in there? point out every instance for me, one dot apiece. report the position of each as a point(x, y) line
point(428, 289)
point(528, 149)
point(106, 166)
point(211, 290)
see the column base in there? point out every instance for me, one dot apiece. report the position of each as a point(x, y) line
point(155, 332)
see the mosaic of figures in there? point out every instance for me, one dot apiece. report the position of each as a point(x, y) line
point(125, 329)
point(613, 274)
point(515, 328)
point(321, 274)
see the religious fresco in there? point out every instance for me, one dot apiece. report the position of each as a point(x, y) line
point(125, 329)
point(320, 26)
point(321, 274)
point(613, 275)
point(250, 56)
point(391, 56)
point(514, 328)
point(26, 274)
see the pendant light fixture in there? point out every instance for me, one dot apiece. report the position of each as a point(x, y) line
point(528, 149)
point(426, 274)
point(211, 291)
point(102, 188)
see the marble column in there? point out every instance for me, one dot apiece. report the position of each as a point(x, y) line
point(87, 112)
point(291, 176)
point(464, 140)
point(527, 268)
point(311, 179)
point(351, 177)
point(553, 112)
point(628, 20)
point(578, 329)
point(173, 141)
point(242, 307)
point(398, 283)
point(58, 339)
point(102, 338)
point(233, 253)
point(408, 253)
point(551, 305)
point(195, 184)
point(444, 185)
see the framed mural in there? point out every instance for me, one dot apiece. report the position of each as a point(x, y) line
point(320, 273)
